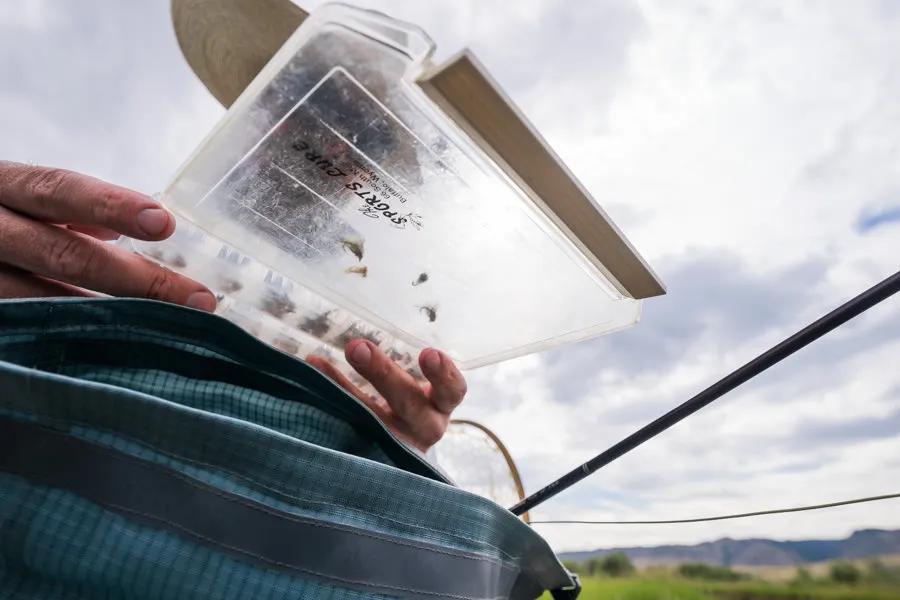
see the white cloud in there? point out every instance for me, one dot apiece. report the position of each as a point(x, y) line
point(758, 132)
point(29, 15)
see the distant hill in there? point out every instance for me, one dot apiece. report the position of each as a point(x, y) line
point(729, 552)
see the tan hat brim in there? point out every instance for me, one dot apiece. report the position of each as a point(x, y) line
point(227, 42)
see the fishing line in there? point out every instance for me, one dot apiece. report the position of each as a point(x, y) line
point(725, 517)
point(774, 355)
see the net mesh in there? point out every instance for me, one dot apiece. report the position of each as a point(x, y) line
point(475, 460)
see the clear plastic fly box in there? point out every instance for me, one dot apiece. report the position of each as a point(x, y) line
point(355, 189)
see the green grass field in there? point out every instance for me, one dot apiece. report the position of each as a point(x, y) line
point(675, 588)
point(614, 577)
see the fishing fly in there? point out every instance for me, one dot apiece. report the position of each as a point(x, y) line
point(354, 247)
point(430, 312)
point(318, 325)
point(277, 304)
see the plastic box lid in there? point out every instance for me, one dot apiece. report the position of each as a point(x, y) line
point(356, 190)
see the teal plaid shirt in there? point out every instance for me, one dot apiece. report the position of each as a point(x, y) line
point(152, 451)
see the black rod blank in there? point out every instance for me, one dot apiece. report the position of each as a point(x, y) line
point(805, 336)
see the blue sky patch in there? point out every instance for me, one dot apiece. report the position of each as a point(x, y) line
point(869, 221)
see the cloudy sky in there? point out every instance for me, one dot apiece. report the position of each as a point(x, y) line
point(751, 151)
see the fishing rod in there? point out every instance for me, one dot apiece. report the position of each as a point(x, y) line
point(858, 305)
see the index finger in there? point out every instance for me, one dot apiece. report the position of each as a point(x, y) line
point(376, 405)
point(61, 196)
point(393, 383)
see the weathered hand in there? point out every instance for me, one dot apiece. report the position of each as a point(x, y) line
point(52, 226)
point(417, 414)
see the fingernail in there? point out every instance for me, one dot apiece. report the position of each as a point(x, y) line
point(153, 221)
point(432, 360)
point(361, 355)
point(202, 301)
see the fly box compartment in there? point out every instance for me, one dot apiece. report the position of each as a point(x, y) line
point(355, 189)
